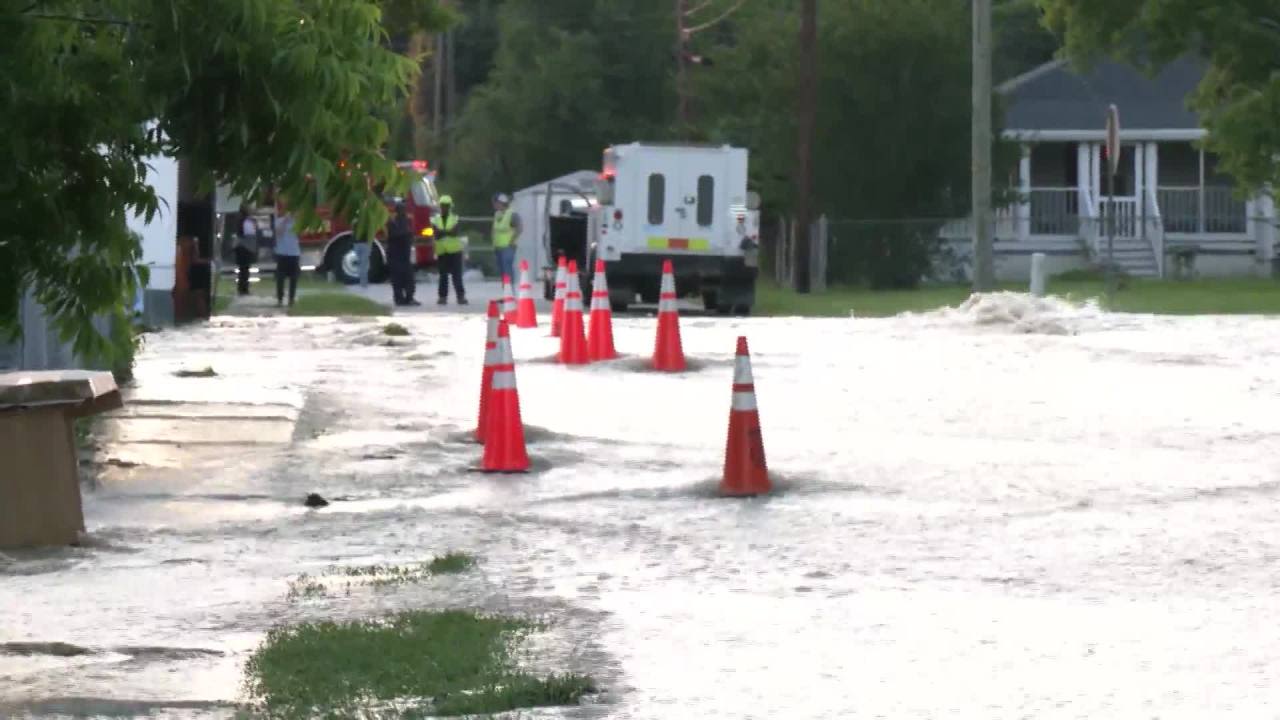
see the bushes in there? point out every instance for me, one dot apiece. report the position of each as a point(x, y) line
point(882, 255)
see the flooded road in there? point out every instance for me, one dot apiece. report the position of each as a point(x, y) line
point(1003, 511)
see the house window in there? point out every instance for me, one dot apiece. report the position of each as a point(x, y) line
point(657, 198)
point(706, 200)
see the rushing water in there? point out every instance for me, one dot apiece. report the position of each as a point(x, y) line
point(1012, 509)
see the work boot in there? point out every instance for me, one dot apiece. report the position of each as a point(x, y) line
point(462, 301)
point(442, 301)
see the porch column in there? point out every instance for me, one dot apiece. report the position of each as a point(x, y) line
point(1153, 175)
point(1084, 171)
point(1139, 174)
point(1262, 217)
point(1024, 195)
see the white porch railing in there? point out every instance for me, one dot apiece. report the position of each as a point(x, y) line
point(1203, 210)
point(1125, 212)
point(1055, 211)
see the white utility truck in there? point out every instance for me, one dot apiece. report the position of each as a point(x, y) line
point(686, 203)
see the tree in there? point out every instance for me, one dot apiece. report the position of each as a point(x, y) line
point(1238, 97)
point(248, 92)
point(567, 81)
point(1022, 42)
point(882, 164)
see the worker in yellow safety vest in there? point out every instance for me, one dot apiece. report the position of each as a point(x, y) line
point(448, 251)
point(506, 232)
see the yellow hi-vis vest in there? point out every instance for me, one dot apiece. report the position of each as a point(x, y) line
point(446, 244)
point(503, 233)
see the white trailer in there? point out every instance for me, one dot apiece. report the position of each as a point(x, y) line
point(687, 203)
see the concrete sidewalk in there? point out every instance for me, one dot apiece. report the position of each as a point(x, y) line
point(480, 291)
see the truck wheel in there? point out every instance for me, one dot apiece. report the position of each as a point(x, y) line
point(710, 300)
point(341, 261)
point(742, 310)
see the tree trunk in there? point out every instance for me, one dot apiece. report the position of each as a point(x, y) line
point(806, 116)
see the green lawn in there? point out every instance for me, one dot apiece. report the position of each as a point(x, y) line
point(336, 303)
point(1162, 297)
point(317, 297)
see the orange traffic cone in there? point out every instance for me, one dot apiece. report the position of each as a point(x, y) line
point(745, 472)
point(562, 288)
point(668, 355)
point(526, 313)
point(504, 449)
point(573, 339)
point(490, 360)
point(600, 341)
point(508, 301)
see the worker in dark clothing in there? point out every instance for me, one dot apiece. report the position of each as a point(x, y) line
point(246, 249)
point(400, 257)
point(448, 251)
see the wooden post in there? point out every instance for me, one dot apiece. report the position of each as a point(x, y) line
point(806, 114)
point(983, 259)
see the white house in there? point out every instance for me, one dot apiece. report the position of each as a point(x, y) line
point(159, 236)
point(1170, 198)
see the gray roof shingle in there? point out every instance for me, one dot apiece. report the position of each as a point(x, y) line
point(1056, 97)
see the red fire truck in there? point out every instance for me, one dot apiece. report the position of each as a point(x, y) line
point(330, 250)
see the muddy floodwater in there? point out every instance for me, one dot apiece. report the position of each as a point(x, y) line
point(1002, 511)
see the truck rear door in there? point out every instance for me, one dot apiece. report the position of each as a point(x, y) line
point(679, 205)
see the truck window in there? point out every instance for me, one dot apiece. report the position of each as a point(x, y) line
point(706, 200)
point(657, 198)
point(423, 192)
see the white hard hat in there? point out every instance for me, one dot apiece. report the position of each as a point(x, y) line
point(502, 198)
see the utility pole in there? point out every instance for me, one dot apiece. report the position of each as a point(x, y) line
point(806, 116)
point(983, 263)
point(682, 66)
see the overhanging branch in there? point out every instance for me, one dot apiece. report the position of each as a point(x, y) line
point(705, 4)
point(717, 20)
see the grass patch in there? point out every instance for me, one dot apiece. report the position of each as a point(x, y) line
point(205, 372)
point(221, 304)
point(328, 304)
point(395, 330)
point(307, 281)
point(1251, 296)
point(440, 662)
point(451, 563)
point(305, 586)
point(344, 578)
point(84, 428)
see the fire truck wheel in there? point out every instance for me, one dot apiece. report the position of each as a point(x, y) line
point(341, 261)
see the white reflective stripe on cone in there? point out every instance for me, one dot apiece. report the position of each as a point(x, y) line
point(742, 370)
point(491, 356)
point(505, 380)
point(667, 305)
point(668, 283)
point(493, 331)
point(742, 401)
point(573, 303)
point(599, 301)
